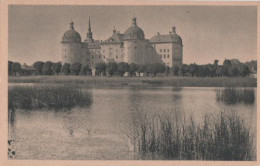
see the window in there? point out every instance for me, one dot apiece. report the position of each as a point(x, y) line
point(168, 56)
point(92, 57)
point(164, 50)
point(104, 57)
point(116, 57)
point(99, 57)
point(135, 47)
point(164, 56)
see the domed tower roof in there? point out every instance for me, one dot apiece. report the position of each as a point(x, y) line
point(71, 36)
point(134, 32)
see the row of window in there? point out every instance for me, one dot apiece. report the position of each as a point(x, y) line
point(164, 50)
point(103, 57)
point(164, 55)
point(110, 50)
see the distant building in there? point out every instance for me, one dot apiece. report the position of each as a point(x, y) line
point(130, 47)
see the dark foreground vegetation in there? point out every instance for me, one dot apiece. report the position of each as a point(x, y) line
point(55, 97)
point(222, 137)
point(233, 95)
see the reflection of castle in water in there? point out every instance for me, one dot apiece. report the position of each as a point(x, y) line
point(130, 47)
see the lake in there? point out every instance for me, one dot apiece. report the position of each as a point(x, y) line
point(100, 131)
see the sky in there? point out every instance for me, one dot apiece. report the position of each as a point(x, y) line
point(208, 32)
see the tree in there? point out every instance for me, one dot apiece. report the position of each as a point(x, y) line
point(211, 70)
point(243, 70)
point(38, 66)
point(111, 68)
point(10, 67)
point(226, 65)
point(183, 69)
point(193, 69)
point(159, 68)
point(175, 70)
point(140, 69)
point(122, 68)
point(46, 69)
point(75, 68)
point(16, 68)
point(65, 69)
point(101, 67)
point(233, 71)
point(219, 71)
point(150, 68)
point(85, 69)
point(167, 70)
point(56, 68)
point(132, 68)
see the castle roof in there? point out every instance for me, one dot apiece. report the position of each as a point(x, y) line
point(71, 36)
point(134, 32)
point(172, 37)
point(115, 38)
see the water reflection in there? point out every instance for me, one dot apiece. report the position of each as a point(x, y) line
point(107, 128)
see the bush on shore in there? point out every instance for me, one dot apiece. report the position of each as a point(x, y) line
point(55, 97)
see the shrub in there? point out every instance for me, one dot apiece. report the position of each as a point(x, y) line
point(56, 97)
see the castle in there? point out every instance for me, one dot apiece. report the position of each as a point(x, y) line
point(130, 47)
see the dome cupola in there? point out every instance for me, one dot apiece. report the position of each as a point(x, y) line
point(134, 32)
point(71, 36)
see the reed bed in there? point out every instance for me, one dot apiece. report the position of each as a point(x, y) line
point(56, 97)
point(223, 137)
point(232, 95)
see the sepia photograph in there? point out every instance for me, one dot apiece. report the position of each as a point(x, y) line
point(132, 82)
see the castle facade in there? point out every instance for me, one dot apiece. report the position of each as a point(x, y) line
point(130, 47)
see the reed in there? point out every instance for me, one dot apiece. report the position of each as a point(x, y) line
point(223, 137)
point(56, 97)
point(232, 95)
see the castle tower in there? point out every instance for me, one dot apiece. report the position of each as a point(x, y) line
point(134, 43)
point(71, 46)
point(177, 48)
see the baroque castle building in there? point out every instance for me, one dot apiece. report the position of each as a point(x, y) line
point(130, 47)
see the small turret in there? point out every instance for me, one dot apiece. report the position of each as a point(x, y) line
point(71, 25)
point(173, 29)
point(134, 21)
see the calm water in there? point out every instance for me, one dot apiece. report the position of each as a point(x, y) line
point(100, 131)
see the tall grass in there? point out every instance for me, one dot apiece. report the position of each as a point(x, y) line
point(56, 97)
point(232, 95)
point(224, 137)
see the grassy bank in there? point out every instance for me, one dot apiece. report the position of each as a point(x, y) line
point(55, 97)
point(166, 81)
point(221, 137)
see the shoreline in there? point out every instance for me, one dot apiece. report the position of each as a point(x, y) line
point(128, 81)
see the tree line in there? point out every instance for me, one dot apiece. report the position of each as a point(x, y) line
point(228, 68)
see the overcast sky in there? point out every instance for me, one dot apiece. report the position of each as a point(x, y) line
point(208, 32)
